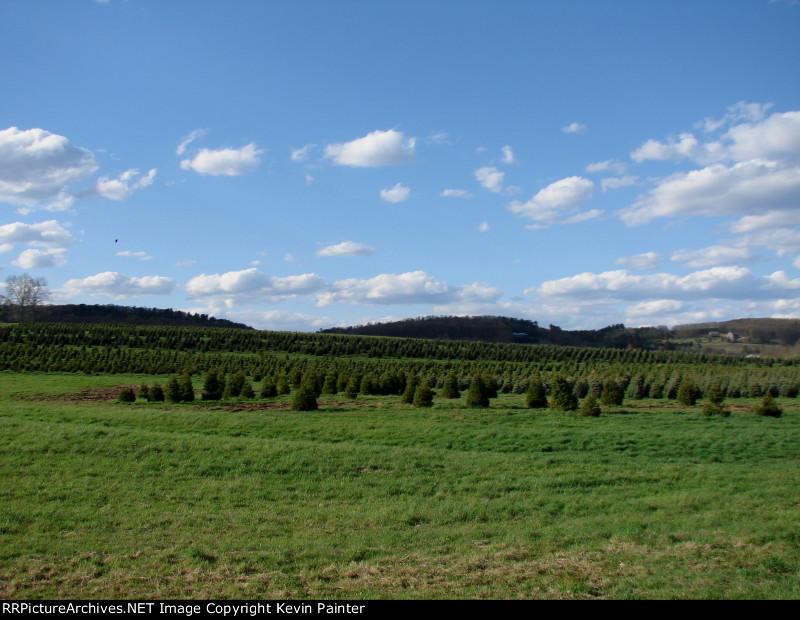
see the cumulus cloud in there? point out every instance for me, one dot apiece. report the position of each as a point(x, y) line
point(657, 306)
point(413, 287)
point(379, 148)
point(121, 187)
point(280, 320)
point(49, 234)
point(347, 248)
point(484, 227)
point(117, 286)
point(562, 198)
point(574, 128)
point(645, 261)
point(229, 162)
point(188, 139)
point(36, 166)
point(744, 188)
point(508, 155)
point(730, 282)
point(251, 286)
point(37, 259)
point(771, 219)
point(399, 193)
point(714, 256)
point(490, 178)
point(456, 193)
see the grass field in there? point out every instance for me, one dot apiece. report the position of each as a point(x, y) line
point(374, 499)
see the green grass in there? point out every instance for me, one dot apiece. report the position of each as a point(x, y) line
point(379, 500)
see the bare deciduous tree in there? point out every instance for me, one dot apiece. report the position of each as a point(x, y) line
point(26, 294)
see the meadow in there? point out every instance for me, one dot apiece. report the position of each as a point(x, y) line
point(373, 498)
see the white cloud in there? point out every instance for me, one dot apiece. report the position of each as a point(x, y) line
point(399, 193)
point(456, 193)
point(379, 148)
point(117, 286)
point(484, 227)
point(657, 306)
point(289, 258)
point(617, 182)
point(741, 111)
point(188, 139)
point(139, 255)
point(37, 259)
point(280, 320)
point(609, 165)
point(731, 282)
point(508, 155)
point(186, 262)
point(714, 256)
point(552, 203)
point(251, 286)
point(796, 263)
point(574, 128)
point(684, 147)
point(229, 162)
point(347, 248)
point(645, 261)
point(770, 219)
point(414, 287)
point(744, 188)
point(5, 247)
point(49, 234)
point(121, 187)
point(36, 166)
point(300, 155)
point(781, 240)
point(491, 178)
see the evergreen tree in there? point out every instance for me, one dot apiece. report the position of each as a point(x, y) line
point(589, 407)
point(450, 387)
point(173, 393)
point(536, 396)
point(477, 396)
point(687, 393)
point(768, 407)
point(212, 388)
point(329, 387)
point(714, 405)
point(247, 390)
point(423, 395)
point(127, 395)
point(187, 389)
point(411, 387)
point(561, 395)
point(304, 398)
point(351, 389)
point(268, 389)
point(282, 385)
point(611, 395)
point(144, 392)
point(157, 393)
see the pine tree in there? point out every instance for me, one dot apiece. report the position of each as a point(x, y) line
point(144, 392)
point(536, 396)
point(247, 390)
point(423, 395)
point(173, 393)
point(561, 395)
point(157, 393)
point(268, 389)
point(714, 405)
point(187, 389)
point(411, 387)
point(127, 395)
point(768, 407)
point(304, 398)
point(477, 396)
point(212, 388)
point(687, 393)
point(589, 407)
point(351, 389)
point(282, 385)
point(450, 387)
point(611, 395)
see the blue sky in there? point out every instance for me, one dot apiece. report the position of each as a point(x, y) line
point(299, 165)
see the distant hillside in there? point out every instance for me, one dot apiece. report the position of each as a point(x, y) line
point(505, 329)
point(123, 315)
point(762, 331)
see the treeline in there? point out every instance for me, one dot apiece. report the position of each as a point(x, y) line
point(511, 330)
point(119, 315)
point(379, 365)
